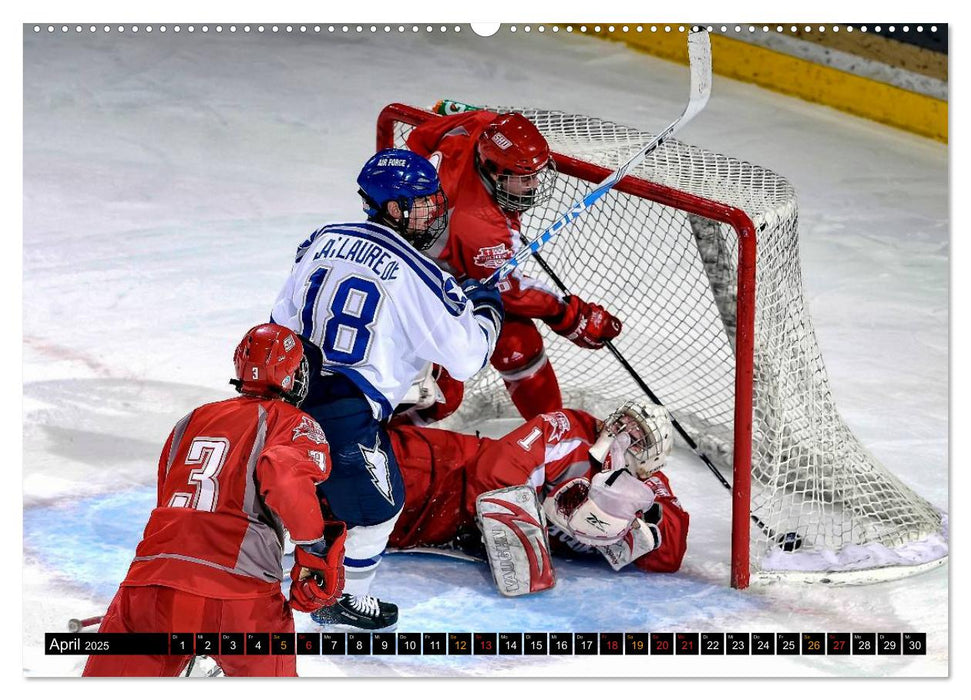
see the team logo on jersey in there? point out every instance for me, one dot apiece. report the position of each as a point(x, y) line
point(377, 463)
point(559, 422)
point(309, 429)
point(493, 256)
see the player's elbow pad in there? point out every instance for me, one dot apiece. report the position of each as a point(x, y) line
point(478, 351)
point(469, 365)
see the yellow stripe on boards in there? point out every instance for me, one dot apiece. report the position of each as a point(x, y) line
point(850, 93)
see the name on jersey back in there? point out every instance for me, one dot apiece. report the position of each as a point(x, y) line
point(371, 255)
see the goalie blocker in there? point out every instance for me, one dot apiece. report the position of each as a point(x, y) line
point(517, 546)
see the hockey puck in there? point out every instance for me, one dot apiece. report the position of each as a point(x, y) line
point(790, 542)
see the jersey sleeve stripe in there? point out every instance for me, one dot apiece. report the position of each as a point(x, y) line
point(177, 434)
point(250, 504)
point(302, 248)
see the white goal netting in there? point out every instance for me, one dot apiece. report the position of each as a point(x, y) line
point(672, 279)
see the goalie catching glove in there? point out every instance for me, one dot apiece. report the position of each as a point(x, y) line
point(587, 325)
point(318, 571)
point(614, 512)
point(599, 511)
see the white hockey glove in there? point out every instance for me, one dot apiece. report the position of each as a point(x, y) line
point(423, 392)
point(601, 511)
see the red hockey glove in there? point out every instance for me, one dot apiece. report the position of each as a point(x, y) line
point(318, 571)
point(587, 325)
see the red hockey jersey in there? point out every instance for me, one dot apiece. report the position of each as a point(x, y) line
point(481, 236)
point(231, 477)
point(445, 471)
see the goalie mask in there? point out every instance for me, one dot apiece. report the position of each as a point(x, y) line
point(636, 436)
point(270, 363)
point(514, 160)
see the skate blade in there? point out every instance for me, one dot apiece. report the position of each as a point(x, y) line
point(341, 627)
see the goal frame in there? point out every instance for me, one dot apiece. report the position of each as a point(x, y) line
point(745, 309)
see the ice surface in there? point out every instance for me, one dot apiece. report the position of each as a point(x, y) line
point(168, 180)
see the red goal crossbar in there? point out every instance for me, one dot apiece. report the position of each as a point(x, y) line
point(745, 338)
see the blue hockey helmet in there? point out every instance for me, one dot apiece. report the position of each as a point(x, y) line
point(403, 177)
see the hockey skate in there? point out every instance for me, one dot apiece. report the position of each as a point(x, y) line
point(357, 613)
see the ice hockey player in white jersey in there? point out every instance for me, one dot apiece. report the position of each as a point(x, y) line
point(372, 312)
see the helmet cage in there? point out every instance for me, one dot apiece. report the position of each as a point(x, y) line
point(301, 384)
point(431, 210)
point(518, 193)
point(649, 431)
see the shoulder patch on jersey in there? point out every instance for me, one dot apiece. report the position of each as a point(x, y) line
point(320, 458)
point(453, 296)
point(560, 423)
point(310, 429)
point(492, 257)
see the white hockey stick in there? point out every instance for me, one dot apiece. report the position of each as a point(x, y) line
point(436, 551)
point(699, 60)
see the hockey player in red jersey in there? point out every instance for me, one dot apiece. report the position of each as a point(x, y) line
point(575, 463)
point(493, 167)
point(231, 477)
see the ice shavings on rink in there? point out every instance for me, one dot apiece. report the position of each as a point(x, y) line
point(92, 541)
point(925, 554)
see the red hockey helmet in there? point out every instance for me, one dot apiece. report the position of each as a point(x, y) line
point(270, 363)
point(515, 158)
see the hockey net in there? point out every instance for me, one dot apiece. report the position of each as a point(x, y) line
point(704, 266)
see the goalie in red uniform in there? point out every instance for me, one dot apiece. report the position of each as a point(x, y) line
point(598, 484)
point(492, 169)
point(231, 477)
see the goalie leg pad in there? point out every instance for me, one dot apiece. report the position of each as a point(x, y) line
point(517, 547)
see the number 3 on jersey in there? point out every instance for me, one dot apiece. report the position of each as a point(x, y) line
point(211, 454)
point(345, 337)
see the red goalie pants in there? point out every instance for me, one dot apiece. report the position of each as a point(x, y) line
point(162, 609)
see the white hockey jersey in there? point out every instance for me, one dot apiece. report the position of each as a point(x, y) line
point(380, 311)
